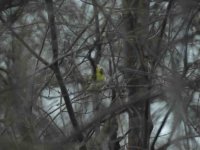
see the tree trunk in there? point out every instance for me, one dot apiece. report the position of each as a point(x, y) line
point(136, 54)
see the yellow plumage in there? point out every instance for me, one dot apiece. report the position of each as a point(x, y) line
point(100, 75)
point(99, 81)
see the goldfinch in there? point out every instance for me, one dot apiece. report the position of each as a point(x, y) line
point(100, 75)
point(99, 81)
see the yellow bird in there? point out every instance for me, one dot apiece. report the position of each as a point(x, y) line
point(100, 75)
point(99, 81)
